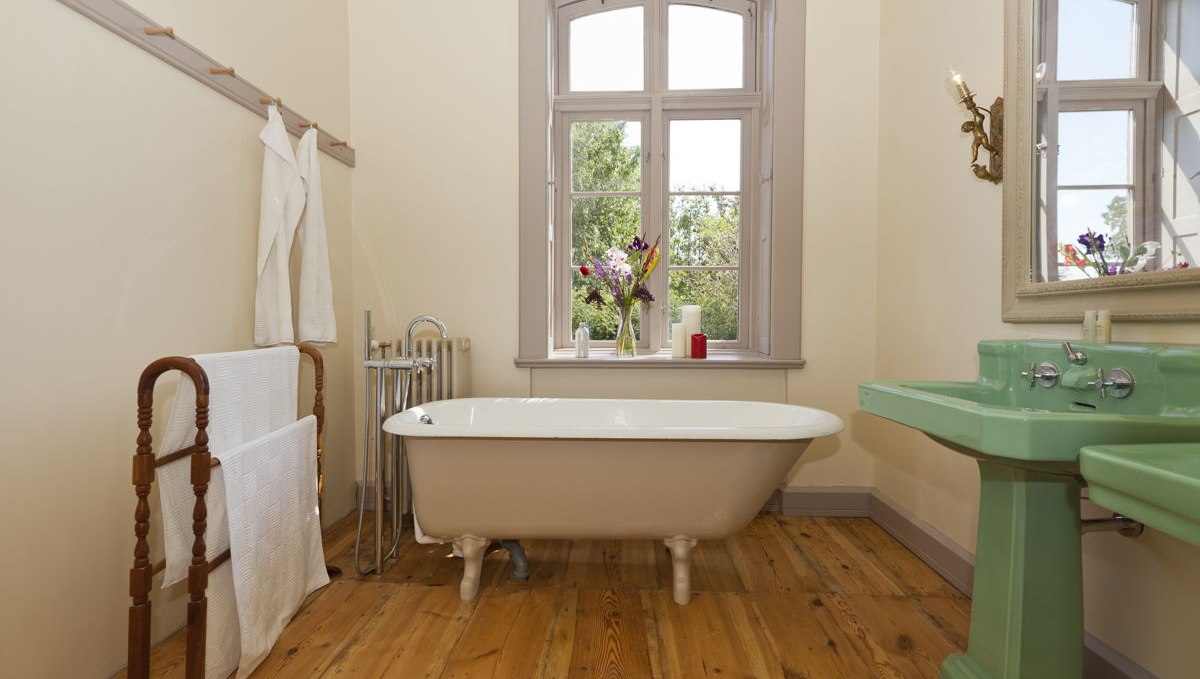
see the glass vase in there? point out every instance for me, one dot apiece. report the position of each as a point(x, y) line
point(626, 341)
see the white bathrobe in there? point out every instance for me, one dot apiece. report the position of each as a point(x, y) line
point(279, 213)
point(317, 322)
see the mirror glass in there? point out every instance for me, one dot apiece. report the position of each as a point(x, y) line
point(1117, 143)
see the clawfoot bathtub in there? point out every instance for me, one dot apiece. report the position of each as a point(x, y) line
point(676, 471)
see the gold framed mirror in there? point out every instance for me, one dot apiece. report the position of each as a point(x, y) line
point(1061, 184)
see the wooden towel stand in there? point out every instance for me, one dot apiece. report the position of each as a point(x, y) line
point(144, 464)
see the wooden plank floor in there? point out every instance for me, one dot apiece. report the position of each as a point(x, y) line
point(786, 598)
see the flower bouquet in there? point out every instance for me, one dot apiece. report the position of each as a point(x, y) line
point(1093, 262)
point(623, 273)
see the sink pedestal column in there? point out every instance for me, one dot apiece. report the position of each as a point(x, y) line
point(1027, 603)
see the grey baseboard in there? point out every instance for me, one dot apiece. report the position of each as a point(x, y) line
point(774, 504)
point(832, 501)
point(938, 551)
point(942, 554)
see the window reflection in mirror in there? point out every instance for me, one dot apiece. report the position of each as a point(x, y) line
point(1118, 137)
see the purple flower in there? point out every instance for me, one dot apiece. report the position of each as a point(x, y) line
point(1093, 242)
point(1112, 270)
point(643, 294)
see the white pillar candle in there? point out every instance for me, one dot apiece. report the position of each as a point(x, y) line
point(690, 315)
point(679, 341)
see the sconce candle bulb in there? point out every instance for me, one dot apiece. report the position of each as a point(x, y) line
point(960, 84)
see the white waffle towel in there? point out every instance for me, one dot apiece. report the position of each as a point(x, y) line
point(316, 320)
point(280, 207)
point(251, 393)
point(274, 533)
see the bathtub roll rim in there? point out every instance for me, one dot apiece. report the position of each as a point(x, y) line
point(598, 418)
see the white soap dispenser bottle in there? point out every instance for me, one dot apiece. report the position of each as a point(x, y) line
point(583, 336)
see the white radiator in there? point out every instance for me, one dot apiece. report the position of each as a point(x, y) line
point(452, 376)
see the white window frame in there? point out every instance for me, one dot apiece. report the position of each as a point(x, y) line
point(776, 253)
point(1138, 95)
point(655, 107)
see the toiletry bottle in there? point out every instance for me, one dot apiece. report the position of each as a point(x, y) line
point(1103, 326)
point(1089, 326)
point(583, 336)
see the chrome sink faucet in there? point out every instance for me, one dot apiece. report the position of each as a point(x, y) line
point(1075, 357)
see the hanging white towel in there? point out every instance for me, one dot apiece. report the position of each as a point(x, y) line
point(251, 393)
point(317, 322)
point(275, 533)
point(279, 213)
point(222, 640)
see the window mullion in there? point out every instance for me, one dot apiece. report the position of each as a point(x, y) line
point(656, 224)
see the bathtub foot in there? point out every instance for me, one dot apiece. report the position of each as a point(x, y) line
point(516, 554)
point(472, 549)
point(680, 547)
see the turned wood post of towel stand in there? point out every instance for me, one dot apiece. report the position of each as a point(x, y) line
point(145, 462)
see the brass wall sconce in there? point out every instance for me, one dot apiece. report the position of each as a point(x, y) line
point(986, 128)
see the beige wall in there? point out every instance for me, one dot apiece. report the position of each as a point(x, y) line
point(939, 293)
point(130, 197)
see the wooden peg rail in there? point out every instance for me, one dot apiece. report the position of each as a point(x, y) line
point(162, 42)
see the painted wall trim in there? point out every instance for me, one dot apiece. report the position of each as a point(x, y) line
point(942, 554)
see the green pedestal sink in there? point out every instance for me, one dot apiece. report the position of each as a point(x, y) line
point(1026, 417)
point(1158, 485)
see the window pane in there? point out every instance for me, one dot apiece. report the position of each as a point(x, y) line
point(705, 230)
point(717, 294)
point(602, 322)
point(1105, 212)
point(706, 155)
point(607, 51)
point(1097, 39)
point(598, 224)
point(606, 156)
point(705, 48)
point(1094, 147)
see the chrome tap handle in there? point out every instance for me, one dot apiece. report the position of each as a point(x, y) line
point(1045, 373)
point(1119, 381)
point(1075, 357)
point(1100, 383)
point(1030, 375)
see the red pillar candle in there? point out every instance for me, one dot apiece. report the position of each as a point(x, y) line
point(699, 345)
